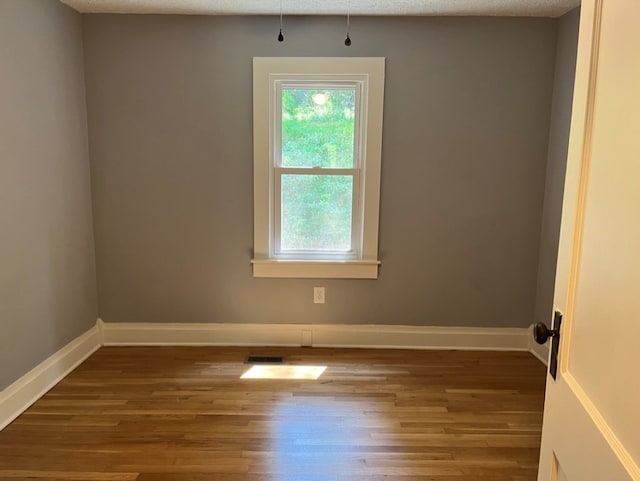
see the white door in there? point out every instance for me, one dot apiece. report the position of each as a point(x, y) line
point(591, 429)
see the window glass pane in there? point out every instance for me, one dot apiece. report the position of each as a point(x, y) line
point(318, 127)
point(316, 212)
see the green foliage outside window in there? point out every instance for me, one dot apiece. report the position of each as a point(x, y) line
point(317, 131)
point(318, 134)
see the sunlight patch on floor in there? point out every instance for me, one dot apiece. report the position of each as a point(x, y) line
point(283, 372)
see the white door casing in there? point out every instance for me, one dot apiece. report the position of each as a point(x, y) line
point(591, 429)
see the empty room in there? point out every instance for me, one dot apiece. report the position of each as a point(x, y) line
point(319, 241)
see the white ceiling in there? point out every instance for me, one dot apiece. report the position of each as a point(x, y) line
point(528, 8)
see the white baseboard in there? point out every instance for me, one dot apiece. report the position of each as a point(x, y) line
point(319, 335)
point(17, 397)
point(541, 351)
point(21, 394)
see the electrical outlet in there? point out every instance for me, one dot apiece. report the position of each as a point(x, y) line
point(318, 295)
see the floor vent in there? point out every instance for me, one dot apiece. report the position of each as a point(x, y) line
point(265, 360)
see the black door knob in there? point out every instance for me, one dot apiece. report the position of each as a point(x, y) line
point(541, 332)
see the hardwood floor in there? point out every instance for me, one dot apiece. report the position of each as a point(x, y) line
point(184, 414)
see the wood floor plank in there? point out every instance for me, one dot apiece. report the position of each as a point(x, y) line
point(183, 413)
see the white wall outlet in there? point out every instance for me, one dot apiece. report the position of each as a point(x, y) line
point(318, 295)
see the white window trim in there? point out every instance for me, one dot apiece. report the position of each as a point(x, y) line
point(265, 71)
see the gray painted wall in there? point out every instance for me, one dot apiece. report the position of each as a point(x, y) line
point(557, 162)
point(47, 273)
point(466, 125)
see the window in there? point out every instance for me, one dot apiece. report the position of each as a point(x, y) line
point(317, 148)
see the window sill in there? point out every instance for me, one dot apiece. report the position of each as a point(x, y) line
point(315, 269)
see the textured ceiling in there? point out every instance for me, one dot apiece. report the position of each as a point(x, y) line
point(529, 8)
